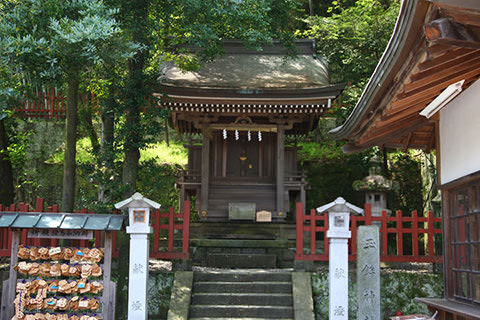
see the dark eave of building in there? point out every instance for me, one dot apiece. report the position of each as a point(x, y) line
point(420, 61)
point(251, 96)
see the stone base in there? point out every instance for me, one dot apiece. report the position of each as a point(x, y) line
point(304, 265)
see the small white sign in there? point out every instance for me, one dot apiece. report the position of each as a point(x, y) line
point(264, 216)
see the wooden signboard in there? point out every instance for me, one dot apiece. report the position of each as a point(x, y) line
point(264, 216)
point(60, 234)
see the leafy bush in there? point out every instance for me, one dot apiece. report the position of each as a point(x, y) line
point(398, 290)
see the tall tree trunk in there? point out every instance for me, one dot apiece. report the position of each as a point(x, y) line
point(135, 97)
point(69, 165)
point(107, 155)
point(6, 173)
point(86, 118)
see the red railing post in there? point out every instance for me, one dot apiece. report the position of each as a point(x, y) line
point(171, 220)
point(299, 216)
point(368, 214)
point(156, 230)
point(186, 227)
point(313, 236)
point(353, 239)
point(399, 233)
point(384, 233)
point(430, 244)
point(39, 205)
point(415, 233)
point(325, 239)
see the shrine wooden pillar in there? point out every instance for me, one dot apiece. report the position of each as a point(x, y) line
point(280, 171)
point(205, 171)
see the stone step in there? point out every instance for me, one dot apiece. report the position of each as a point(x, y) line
point(242, 287)
point(234, 318)
point(256, 299)
point(268, 312)
point(241, 260)
point(243, 276)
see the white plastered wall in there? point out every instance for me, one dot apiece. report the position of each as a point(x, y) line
point(460, 135)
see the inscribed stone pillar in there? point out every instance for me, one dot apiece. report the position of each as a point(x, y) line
point(139, 229)
point(368, 273)
point(338, 234)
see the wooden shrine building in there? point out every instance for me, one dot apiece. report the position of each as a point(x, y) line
point(424, 94)
point(243, 105)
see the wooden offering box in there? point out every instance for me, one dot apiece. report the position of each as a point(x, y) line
point(65, 282)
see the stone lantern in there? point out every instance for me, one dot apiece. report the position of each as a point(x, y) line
point(375, 186)
point(139, 228)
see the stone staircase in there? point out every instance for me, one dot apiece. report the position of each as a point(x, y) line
point(241, 294)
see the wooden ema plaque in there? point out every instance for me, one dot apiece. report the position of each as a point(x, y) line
point(264, 216)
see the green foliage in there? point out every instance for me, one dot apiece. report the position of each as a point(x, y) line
point(48, 40)
point(353, 39)
point(405, 170)
point(398, 291)
point(331, 177)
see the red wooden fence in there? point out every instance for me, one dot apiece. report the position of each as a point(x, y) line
point(392, 232)
point(171, 226)
point(43, 105)
point(157, 251)
point(6, 233)
point(49, 104)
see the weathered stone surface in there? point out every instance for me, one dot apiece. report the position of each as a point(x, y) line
point(302, 296)
point(181, 296)
point(368, 273)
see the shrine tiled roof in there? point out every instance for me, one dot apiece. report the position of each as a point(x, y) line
point(66, 221)
point(243, 68)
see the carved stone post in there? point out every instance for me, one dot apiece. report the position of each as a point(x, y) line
point(139, 229)
point(338, 233)
point(368, 273)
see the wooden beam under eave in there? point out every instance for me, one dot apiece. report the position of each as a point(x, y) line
point(454, 53)
point(392, 115)
point(444, 68)
point(385, 135)
point(442, 74)
point(407, 143)
point(433, 89)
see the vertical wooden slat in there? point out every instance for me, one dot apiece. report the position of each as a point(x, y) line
point(8, 312)
point(156, 230)
point(186, 227)
point(84, 243)
point(326, 243)
point(39, 204)
point(171, 220)
point(399, 233)
point(114, 241)
point(384, 233)
point(313, 234)
point(415, 233)
point(299, 216)
point(98, 238)
point(353, 239)
point(368, 214)
point(107, 268)
point(280, 188)
point(430, 245)
point(205, 171)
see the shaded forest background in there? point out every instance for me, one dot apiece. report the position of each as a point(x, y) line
point(105, 56)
